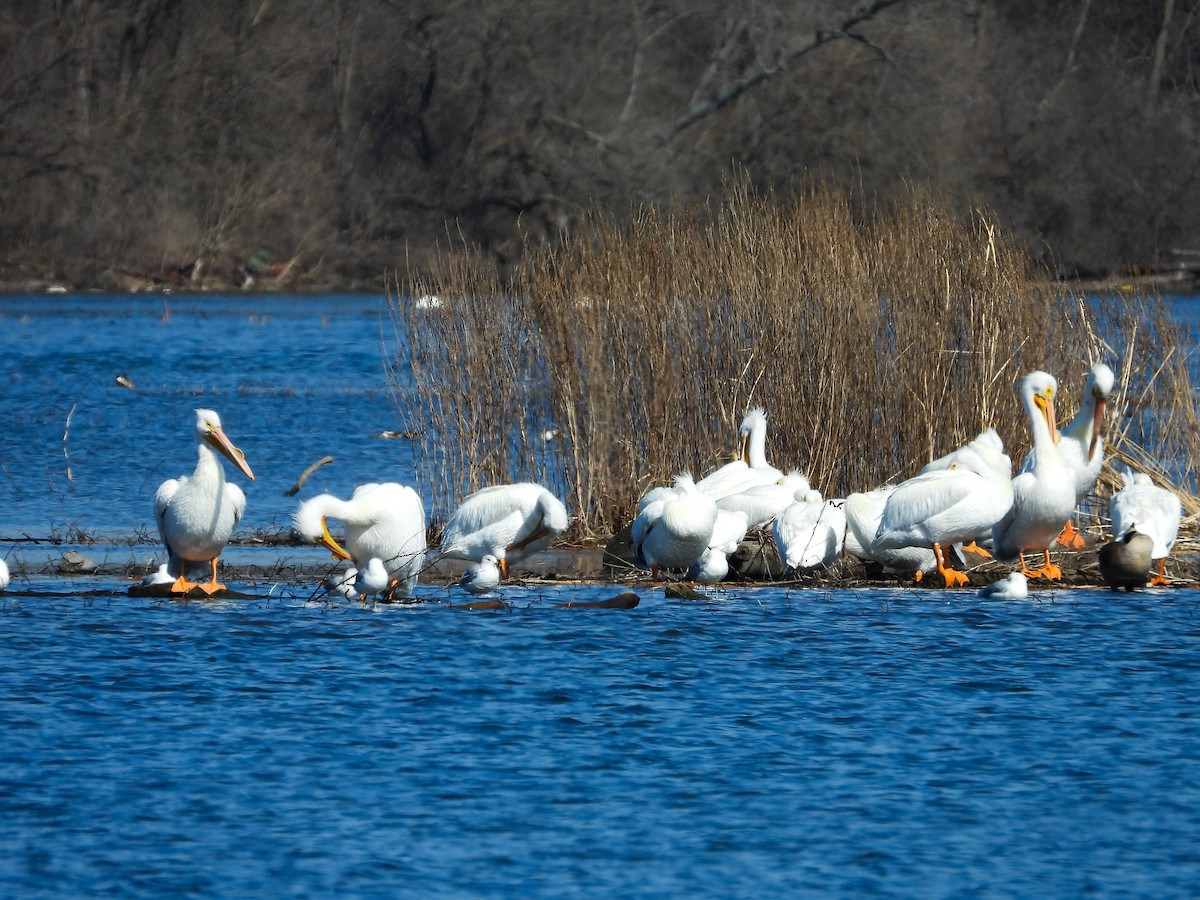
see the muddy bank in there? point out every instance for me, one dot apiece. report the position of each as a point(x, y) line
point(755, 563)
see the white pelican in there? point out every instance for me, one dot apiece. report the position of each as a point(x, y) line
point(481, 577)
point(948, 506)
point(751, 466)
point(1081, 443)
point(988, 448)
point(672, 531)
point(1148, 509)
point(1126, 563)
point(509, 521)
point(864, 510)
point(384, 520)
point(711, 566)
point(763, 502)
point(810, 532)
point(1044, 497)
point(197, 515)
point(342, 583)
point(1014, 586)
point(4, 577)
point(374, 578)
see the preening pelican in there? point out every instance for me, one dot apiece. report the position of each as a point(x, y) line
point(481, 577)
point(1148, 509)
point(864, 510)
point(197, 515)
point(4, 577)
point(1081, 443)
point(1044, 497)
point(384, 520)
point(1013, 586)
point(948, 506)
point(751, 466)
point(712, 566)
point(674, 530)
point(810, 532)
point(1126, 563)
point(763, 502)
point(509, 521)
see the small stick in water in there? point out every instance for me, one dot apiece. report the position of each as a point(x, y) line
point(295, 488)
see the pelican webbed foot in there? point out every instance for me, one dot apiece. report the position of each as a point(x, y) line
point(976, 549)
point(1071, 537)
point(954, 578)
point(1050, 572)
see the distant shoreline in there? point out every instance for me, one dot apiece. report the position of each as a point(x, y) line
point(1174, 281)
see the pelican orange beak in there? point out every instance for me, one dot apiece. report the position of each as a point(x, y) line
point(218, 441)
point(744, 448)
point(1045, 404)
point(1096, 426)
point(502, 564)
point(334, 547)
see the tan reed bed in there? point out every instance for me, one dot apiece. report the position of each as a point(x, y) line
point(875, 336)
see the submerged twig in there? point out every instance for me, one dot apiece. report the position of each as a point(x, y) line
point(67, 434)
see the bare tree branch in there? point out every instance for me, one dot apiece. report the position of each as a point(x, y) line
point(1160, 53)
point(726, 95)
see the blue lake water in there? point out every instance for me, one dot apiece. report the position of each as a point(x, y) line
point(881, 743)
point(293, 378)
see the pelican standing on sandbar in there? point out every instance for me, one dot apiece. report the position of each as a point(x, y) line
point(1044, 497)
point(942, 507)
point(508, 521)
point(1081, 443)
point(196, 516)
point(674, 530)
point(383, 520)
point(1144, 507)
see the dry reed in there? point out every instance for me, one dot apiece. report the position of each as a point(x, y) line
point(875, 338)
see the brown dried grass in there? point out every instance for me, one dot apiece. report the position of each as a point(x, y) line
point(876, 338)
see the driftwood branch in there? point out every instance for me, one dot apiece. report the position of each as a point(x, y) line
point(295, 488)
point(726, 95)
point(67, 434)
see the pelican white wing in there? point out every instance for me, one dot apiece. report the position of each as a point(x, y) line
point(810, 532)
point(508, 521)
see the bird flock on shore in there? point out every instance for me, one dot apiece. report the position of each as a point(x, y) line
point(968, 499)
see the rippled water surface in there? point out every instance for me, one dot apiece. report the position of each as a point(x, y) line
point(762, 743)
point(293, 378)
point(856, 743)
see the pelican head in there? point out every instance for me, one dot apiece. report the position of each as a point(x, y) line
point(209, 431)
point(1100, 383)
point(311, 523)
point(1039, 389)
point(755, 420)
